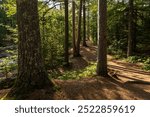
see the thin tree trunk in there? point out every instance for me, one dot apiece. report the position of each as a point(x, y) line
point(79, 30)
point(84, 24)
point(102, 41)
point(66, 43)
point(130, 30)
point(43, 27)
point(135, 32)
point(88, 22)
point(73, 29)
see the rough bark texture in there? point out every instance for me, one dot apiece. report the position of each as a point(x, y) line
point(79, 29)
point(130, 30)
point(31, 71)
point(73, 29)
point(102, 41)
point(84, 24)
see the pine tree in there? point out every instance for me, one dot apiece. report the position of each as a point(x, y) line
point(102, 41)
point(31, 72)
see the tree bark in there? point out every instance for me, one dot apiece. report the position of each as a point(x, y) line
point(79, 30)
point(66, 43)
point(31, 70)
point(102, 41)
point(84, 24)
point(130, 30)
point(134, 32)
point(73, 29)
point(88, 22)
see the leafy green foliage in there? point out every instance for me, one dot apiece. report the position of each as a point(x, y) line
point(7, 21)
point(10, 6)
point(147, 64)
point(132, 59)
point(117, 23)
point(52, 37)
point(84, 73)
point(92, 19)
point(3, 33)
point(118, 26)
point(8, 65)
point(135, 59)
point(144, 60)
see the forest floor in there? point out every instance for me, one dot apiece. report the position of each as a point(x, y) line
point(127, 82)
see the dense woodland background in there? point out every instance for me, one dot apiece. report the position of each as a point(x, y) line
point(46, 44)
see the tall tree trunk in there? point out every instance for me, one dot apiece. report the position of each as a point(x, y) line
point(66, 43)
point(135, 32)
point(130, 30)
point(73, 29)
point(43, 27)
point(102, 41)
point(31, 71)
point(88, 22)
point(84, 24)
point(79, 29)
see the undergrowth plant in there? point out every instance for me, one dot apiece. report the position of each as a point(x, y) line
point(8, 65)
point(76, 74)
point(146, 65)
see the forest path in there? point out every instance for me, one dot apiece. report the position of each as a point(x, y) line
point(131, 82)
point(123, 70)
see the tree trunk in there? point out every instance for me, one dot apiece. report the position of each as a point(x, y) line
point(43, 27)
point(102, 41)
point(31, 71)
point(84, 24)
point(79, 30)
point(73, 29)
point(135, 32)
point(66, 48)
point(88, 22)
point(130, 30)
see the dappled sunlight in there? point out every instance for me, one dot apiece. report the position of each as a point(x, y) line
point(74, 49)
point(98, 89)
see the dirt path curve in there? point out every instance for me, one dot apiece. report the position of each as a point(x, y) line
point(126, 72)
point(134, 82)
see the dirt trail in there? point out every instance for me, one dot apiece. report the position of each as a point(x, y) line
point(132, 83)
point(125, 71)
point(99, 89)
